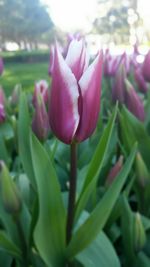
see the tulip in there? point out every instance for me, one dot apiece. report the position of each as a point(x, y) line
point(146, 67)
point(118, 90)
point(133, 102)
point(139, 235)
point(140, 80)
point(14, 98)
point(2, 106)
point(75, 94)
point(114, 171)
point(1, 66)
point(41, 88)
point(111, 64)
point(40, 123)
point(125, 60)
point(143, 177)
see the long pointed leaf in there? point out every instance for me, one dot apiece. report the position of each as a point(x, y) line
point(95, 166)
point(24, 139)
point(49, 232)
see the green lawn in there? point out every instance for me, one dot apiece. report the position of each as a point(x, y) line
point(24, 73)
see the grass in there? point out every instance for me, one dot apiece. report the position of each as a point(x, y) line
point(23, 73)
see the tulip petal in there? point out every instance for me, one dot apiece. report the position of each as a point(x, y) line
point(77, 58)
point(90, 86)
point(63, 104)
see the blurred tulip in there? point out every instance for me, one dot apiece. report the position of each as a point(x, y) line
point(118, 89)
point(111, 64)
point(140, 80)
point(114, 171)
point(41, 88)
point(9, 192)
point(14, 98)
point(40, 122)
point(143, 177)
point(75, 94)
point(1, 66)
point(125, 60)
point(146, 67)
point(2, 106)
point(133, 102)
point(139, 236)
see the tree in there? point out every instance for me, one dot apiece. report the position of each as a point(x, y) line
point(23, 21)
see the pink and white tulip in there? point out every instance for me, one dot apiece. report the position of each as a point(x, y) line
point(74, 103)
point(41, 88)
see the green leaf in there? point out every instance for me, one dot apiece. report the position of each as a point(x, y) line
point(133, 130)
point(95, 166)
point(49, 232)
point(24, 139)
point(8, 246)
point(99, 253)
point(94, 224)
point(127, 220)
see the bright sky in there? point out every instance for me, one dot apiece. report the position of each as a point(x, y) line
point(72, 14)
point(78, 14)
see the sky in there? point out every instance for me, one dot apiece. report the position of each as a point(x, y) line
point(71, 15)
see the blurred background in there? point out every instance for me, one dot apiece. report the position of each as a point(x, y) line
point(29, 28)
point(35, 24)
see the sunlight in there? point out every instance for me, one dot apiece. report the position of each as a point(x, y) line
point(71, 15)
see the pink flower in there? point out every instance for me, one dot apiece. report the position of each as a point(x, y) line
point(75, 94)
point(41, 87)
point(133, 101)
point(40, 123)
point(146, 67)
point(118, 89)
point(140, 80)
point(114, 171)
point(2, 106)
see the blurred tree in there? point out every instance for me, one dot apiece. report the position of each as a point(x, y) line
point(116, 18)
point(23, 22)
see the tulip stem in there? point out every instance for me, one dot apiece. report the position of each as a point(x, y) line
point(72, 192)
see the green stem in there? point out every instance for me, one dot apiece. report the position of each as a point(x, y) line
point(24, 262)
point(72, 192)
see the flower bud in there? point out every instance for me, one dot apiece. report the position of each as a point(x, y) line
point(143, 177)
point(133, 102)
point(1, 66)
point(140, 80)
point(41, 88)
point(14, 98)
point(40, 123)
point(146, 67)
point(139, 235)
point(9, 192)
point(114, 171)
point(2, 106)
point(118, 90)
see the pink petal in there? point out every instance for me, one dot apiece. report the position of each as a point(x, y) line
point(63, 106)
point(90, 85)
point(77, 58)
